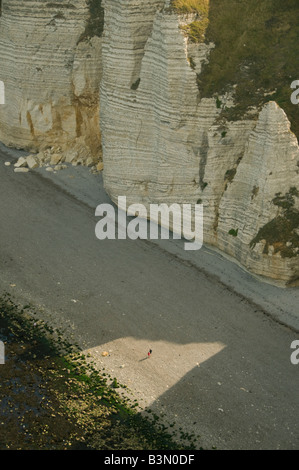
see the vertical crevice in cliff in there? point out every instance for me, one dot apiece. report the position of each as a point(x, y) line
point(30, 124)
point(139, 41)
point(203, 156)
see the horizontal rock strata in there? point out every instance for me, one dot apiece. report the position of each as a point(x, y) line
point(51, 68)
point(162, 143)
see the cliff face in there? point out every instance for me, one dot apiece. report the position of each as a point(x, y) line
point(172, 132)
point(51, 66)
point(164, 142)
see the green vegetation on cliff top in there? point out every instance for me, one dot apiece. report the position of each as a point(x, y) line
point(197, 29)
point(257, 50)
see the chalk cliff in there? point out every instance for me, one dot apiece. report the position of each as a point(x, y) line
point(132, 79)
point(164, 142)
point(51, 66)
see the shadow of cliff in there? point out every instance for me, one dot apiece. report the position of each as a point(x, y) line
point(230, 403)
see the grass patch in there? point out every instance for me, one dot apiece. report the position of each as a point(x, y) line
point(230, 174)
point(53, 397)
point(282, 232)
point(233, 232)
point(201, 7)
point(257, 49)
point(135, 85)
point(197, 29)
point(95, 23)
